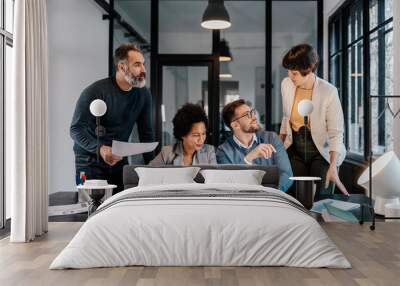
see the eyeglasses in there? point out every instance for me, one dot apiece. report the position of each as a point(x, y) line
point(249, 115)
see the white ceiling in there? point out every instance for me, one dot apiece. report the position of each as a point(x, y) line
point(184, 16)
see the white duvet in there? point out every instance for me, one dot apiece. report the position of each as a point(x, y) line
point(200, 231)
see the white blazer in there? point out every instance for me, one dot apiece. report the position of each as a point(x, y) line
point(327, 123)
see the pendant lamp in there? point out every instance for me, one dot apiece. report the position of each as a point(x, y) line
point(215, 16)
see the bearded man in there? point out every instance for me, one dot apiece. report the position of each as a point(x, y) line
point(128, 102)
point(251, 145)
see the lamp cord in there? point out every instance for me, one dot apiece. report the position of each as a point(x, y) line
point(305, 137)
point(98, 139)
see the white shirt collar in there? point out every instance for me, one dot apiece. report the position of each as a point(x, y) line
point(241, 144)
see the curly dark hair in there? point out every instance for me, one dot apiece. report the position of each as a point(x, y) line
point(185, 117)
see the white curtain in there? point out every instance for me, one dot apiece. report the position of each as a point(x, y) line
point(28, 152)
point(396, 73)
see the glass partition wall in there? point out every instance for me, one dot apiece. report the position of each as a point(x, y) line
point(293, 22)
point(246, 41)
point(181, 84)
point(183, 58)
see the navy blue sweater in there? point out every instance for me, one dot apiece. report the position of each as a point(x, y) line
point(124, 109)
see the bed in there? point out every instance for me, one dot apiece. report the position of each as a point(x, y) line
point(198, 224)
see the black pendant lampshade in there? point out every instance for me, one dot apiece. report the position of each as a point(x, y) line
point(215, 16)
point(224, 51)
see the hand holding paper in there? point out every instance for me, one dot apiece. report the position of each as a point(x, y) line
point(108, 157)
point(124, 149)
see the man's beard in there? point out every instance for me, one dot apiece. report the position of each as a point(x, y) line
point(251, 128)
point(135, 81)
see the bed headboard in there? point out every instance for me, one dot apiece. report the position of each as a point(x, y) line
point(270, 179)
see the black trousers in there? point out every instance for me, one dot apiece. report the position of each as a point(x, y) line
point(100, 170)
point(306, 160)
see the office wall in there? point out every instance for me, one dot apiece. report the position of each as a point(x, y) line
point(78, 56)
point(330, 6)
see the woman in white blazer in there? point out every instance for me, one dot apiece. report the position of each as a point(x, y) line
point(316, 149)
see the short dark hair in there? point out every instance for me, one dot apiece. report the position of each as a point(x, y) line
point(121, 53)
point(228, 113)
point(302, 58)
point(185, 117)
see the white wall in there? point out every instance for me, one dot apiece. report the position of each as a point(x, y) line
point(78, 56)
point(330, 6)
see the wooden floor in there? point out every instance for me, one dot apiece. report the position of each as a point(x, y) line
point(374, 255)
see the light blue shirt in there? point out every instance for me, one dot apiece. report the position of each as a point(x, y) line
point(231, 152)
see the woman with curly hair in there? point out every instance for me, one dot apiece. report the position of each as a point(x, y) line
point(190, 129)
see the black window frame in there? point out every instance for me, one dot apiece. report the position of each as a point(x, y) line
point(342, 15)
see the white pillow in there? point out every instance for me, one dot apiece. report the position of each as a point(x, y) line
point(166, 176)
point(249, 177)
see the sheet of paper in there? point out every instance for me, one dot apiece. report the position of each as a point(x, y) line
point(124, 149)
point(68, 209)
point(319, 206)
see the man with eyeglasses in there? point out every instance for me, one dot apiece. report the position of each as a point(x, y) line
point(251, 145)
